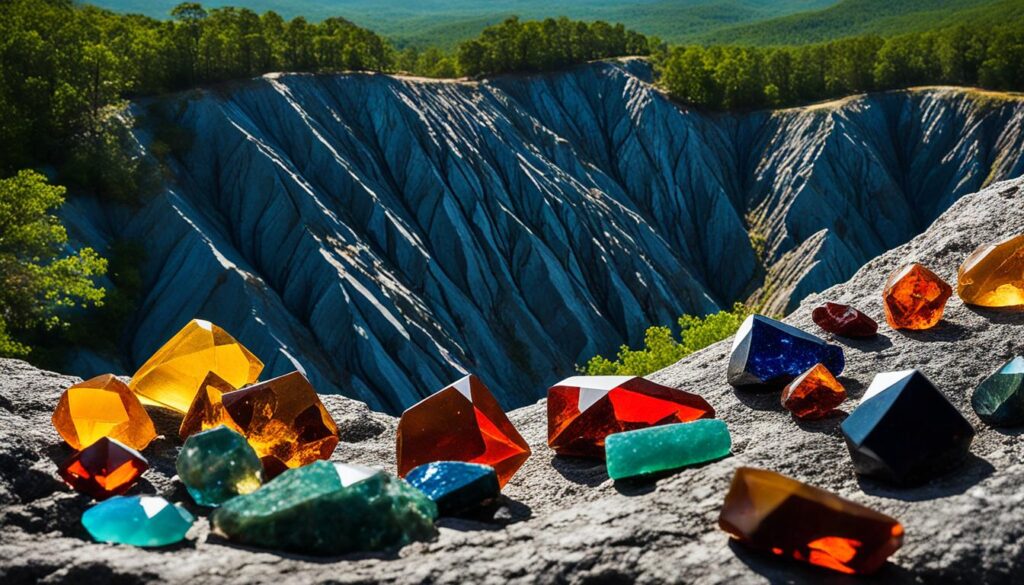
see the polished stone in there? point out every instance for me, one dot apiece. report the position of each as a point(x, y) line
point(814, 394)
point(138, 521)
point(104, 469)
point(915, 298)
point(993, 276)
point(217, 465)
point(768, 354)
point(456, 487)
point(102, 407)
point(667, 447)
point(844, 320)
point(999, 399)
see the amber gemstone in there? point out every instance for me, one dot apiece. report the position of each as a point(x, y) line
point(993, 276)
point(844, 320)
point(583, 410)
point(172, 375)
point(774, 513)
point(914, 298)
point(105, 468)
point(814, 394)
point(102, 407)
point(283, 419)
point(461, 422)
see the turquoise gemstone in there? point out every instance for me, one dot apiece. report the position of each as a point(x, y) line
point(137, 520)
point(328, 508)
point(999, 399)
point(666, 447)
point(217, 465)
point(456, 487)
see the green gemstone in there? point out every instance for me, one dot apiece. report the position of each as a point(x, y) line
point(328, 508)
point(999, 399)
point(217, 465)
point(665, 447)
point(137, 520)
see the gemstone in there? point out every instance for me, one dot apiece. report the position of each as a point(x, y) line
point(662, 448)
point(844, 320)
point(905, 431)
point(104, 469)
point(814, 394)
point(328, 508)
point(102, 407)
point(771, 512)
point(172, 375)
point(583, 410)
point(769, 354)
point(217, 465)
point(461, 422)
point(282, 418)
point(914, 298)
point(456, 487)
point(999, 399)
point(993, 275)
point(138, 521)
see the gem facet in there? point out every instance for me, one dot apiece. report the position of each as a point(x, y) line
point(993, 276)
point(328, 508)
point(914, 298)
point(283, 419)
point(769, 354)
point(217, 465)
point(104, 469)
point(461, 422)
point(905, 431)
point(102, 407)
point(814, 394)
point(661, 448)
point(138, 521)
point(844, 320)
point(771, 512)
point(172, 375)
point(583, 410)
point(999, 399)
point(456, 487)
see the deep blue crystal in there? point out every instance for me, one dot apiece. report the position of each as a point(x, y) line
point(770, 354)
point(455, 487)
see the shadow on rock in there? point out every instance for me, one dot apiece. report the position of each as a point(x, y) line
point(854, 389)
point(828, 425)
point(503, 512)
point(588, 472)
point(759, 398)
point(946, 331)
point(387, 555)
point(1000, 316)
point(778, 570)
point(879, 342)
point(956, 481)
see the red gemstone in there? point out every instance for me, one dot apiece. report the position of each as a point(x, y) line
point(844, 320)
point(104, 469)
point(583, 410)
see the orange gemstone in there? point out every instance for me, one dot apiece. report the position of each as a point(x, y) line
point(814, 394)
point(462, 422)
point(283, 419)
point(914, 298)
point(993, 276)
point(771, 512)
point(102, 407)
point(105, 468)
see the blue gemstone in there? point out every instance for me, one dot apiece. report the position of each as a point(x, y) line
point(138, 521)
point(770, 354)
point(455, 487)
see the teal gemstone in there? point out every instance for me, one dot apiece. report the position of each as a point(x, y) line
point(666, 447)
point(217, 465)
point(137, 520)
point(328, 508)
point(999, 399)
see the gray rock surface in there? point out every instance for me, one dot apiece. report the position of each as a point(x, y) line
point(565, 521)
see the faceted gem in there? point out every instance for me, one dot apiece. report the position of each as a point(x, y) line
point(328, 508)
point(993, 276)
point(462, 422)
point(138, 521)
point(102, 407)
point(905, 431)
point(661, 448)
point(217, 465)
point(774, 513)
point(172, 375)
point(456, 487)
point(105, 468)
point(769, 354)
point(583, 410)
point(283, 419)
point(844, 320)
point(999, 399)
point(814, 394)
point(914, 298)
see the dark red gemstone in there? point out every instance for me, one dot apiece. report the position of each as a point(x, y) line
point(105, 468)
point(844, 320)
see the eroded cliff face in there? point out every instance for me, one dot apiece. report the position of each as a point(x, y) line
point(383, 234)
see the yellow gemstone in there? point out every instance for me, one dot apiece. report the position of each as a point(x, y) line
point(171, 377)
point(102, 407)
point(993, 275)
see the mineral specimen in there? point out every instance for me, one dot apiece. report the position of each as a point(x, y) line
point(217, 465)
point(661, 448)
point(814, 394)
point(456, 487)
point(993, 276)
point(102, 407)
point(999, 399)
point(769, 354)
point(844, 320)
point(138, 521)
point(914, 298)
point(104, 469)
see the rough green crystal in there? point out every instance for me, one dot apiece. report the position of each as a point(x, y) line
point(661, 448)
point(999, 399)
point(328, 508)
point(217, 465)
point(137, 520)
